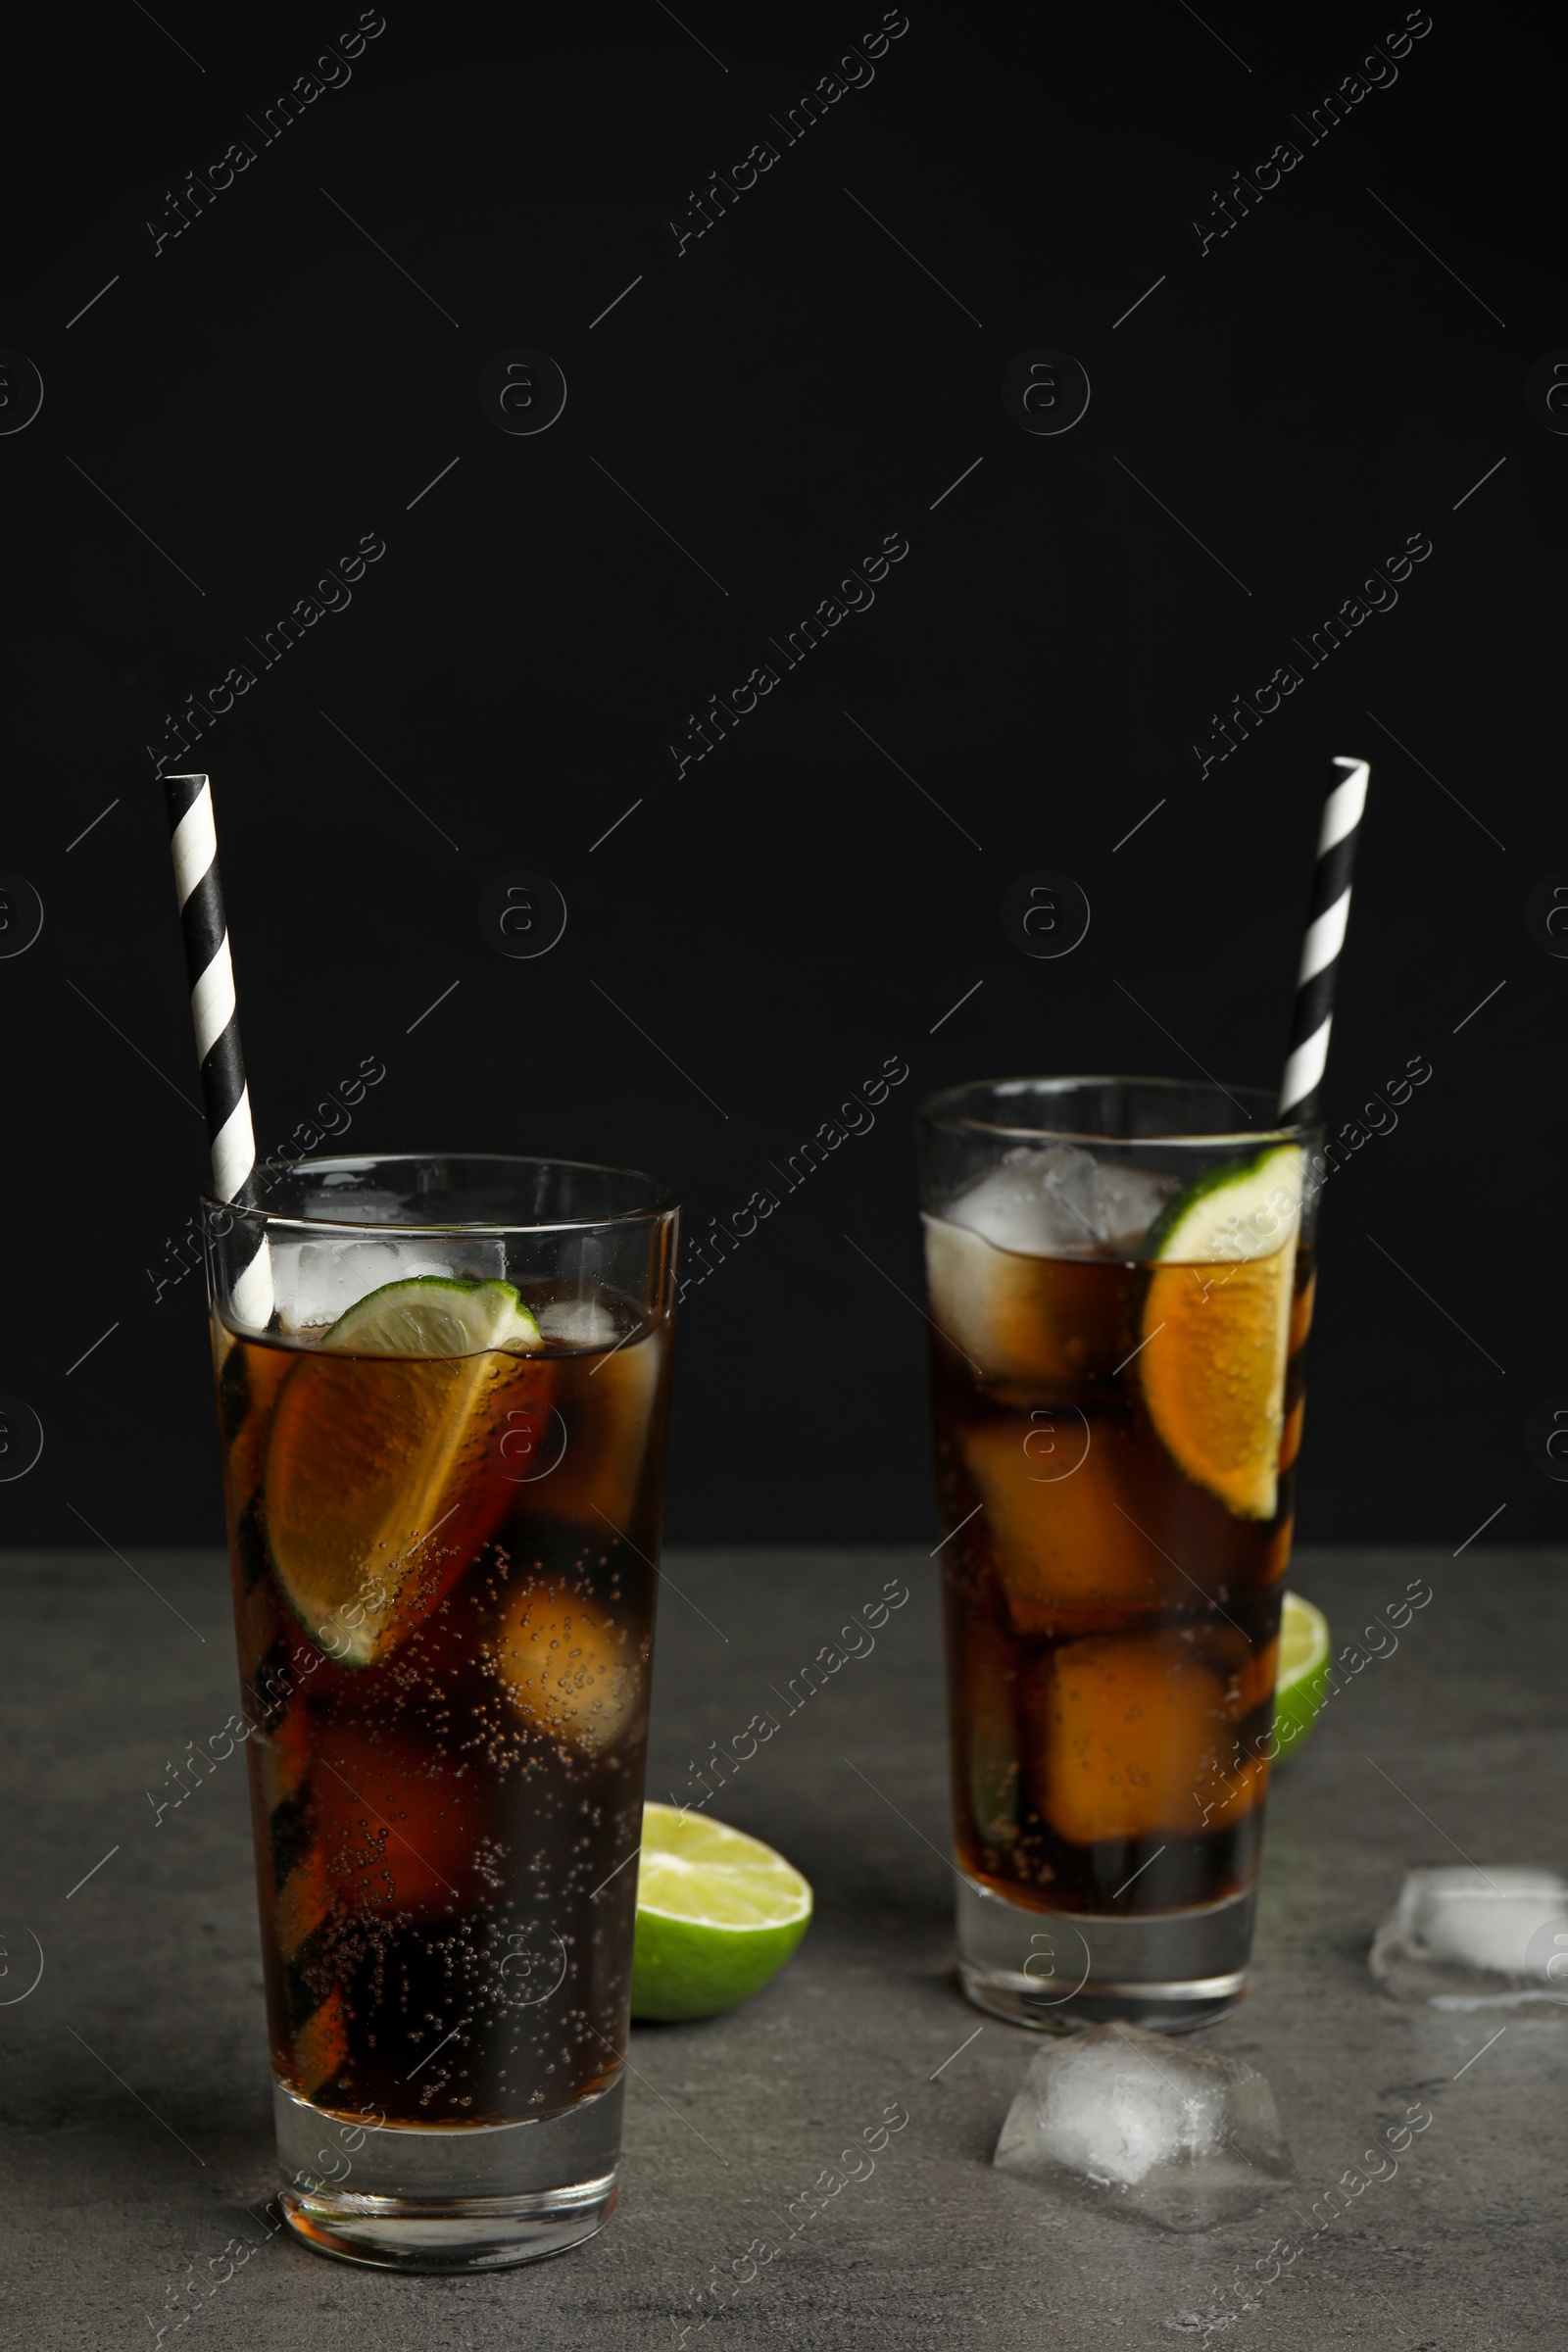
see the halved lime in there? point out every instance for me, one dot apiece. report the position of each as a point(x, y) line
point(382, 1475)
point(1303, 1672)
point(1217, 1326)
point(719, 1914)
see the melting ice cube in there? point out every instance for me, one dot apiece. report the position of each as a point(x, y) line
point(1474, 1938)
point(1143, 2125)
point(1035, 1202)
point(993, 1288)
point(316, 1281)
point(579, 1323)
point(1123, 1203)
point(1063, 1202)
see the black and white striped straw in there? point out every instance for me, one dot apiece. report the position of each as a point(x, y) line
point(193, 838)
point(1301, 1094)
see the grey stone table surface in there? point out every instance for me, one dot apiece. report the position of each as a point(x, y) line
point(134, 2114)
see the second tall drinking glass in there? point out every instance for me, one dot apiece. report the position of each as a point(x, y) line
point(443, 1462)
point(1120, 1282)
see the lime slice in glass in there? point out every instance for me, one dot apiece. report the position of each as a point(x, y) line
point(432, 1314)
point(1303, 1671)
point(383, 1475)
point(1217, 1327)
point(719, 1914)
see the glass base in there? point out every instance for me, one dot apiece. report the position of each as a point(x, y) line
point(1059, 1971)
point(444, 2198)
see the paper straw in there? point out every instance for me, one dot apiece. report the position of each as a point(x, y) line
point(299, 1907)
point(211, 972)
point(1301, 1093)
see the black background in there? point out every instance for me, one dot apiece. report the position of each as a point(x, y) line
point(792, 912)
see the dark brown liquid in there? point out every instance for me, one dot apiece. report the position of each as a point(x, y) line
point(1111, 1625)
point(443, 1831)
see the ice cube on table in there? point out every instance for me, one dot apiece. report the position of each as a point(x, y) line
point(1471, 1939)
point(1157, 2130)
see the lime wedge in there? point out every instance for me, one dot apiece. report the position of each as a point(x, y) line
point(1303, 1672)
point(1243, 1210)
point(434, 1315)
point(1217, 1323)
point(385, 1472)
point(719, 1914)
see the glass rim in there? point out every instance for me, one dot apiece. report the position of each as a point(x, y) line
point(939, 1108)
point(663, 1201)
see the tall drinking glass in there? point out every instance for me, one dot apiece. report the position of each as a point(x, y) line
point(1120, 1283)
point(443, 1461)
